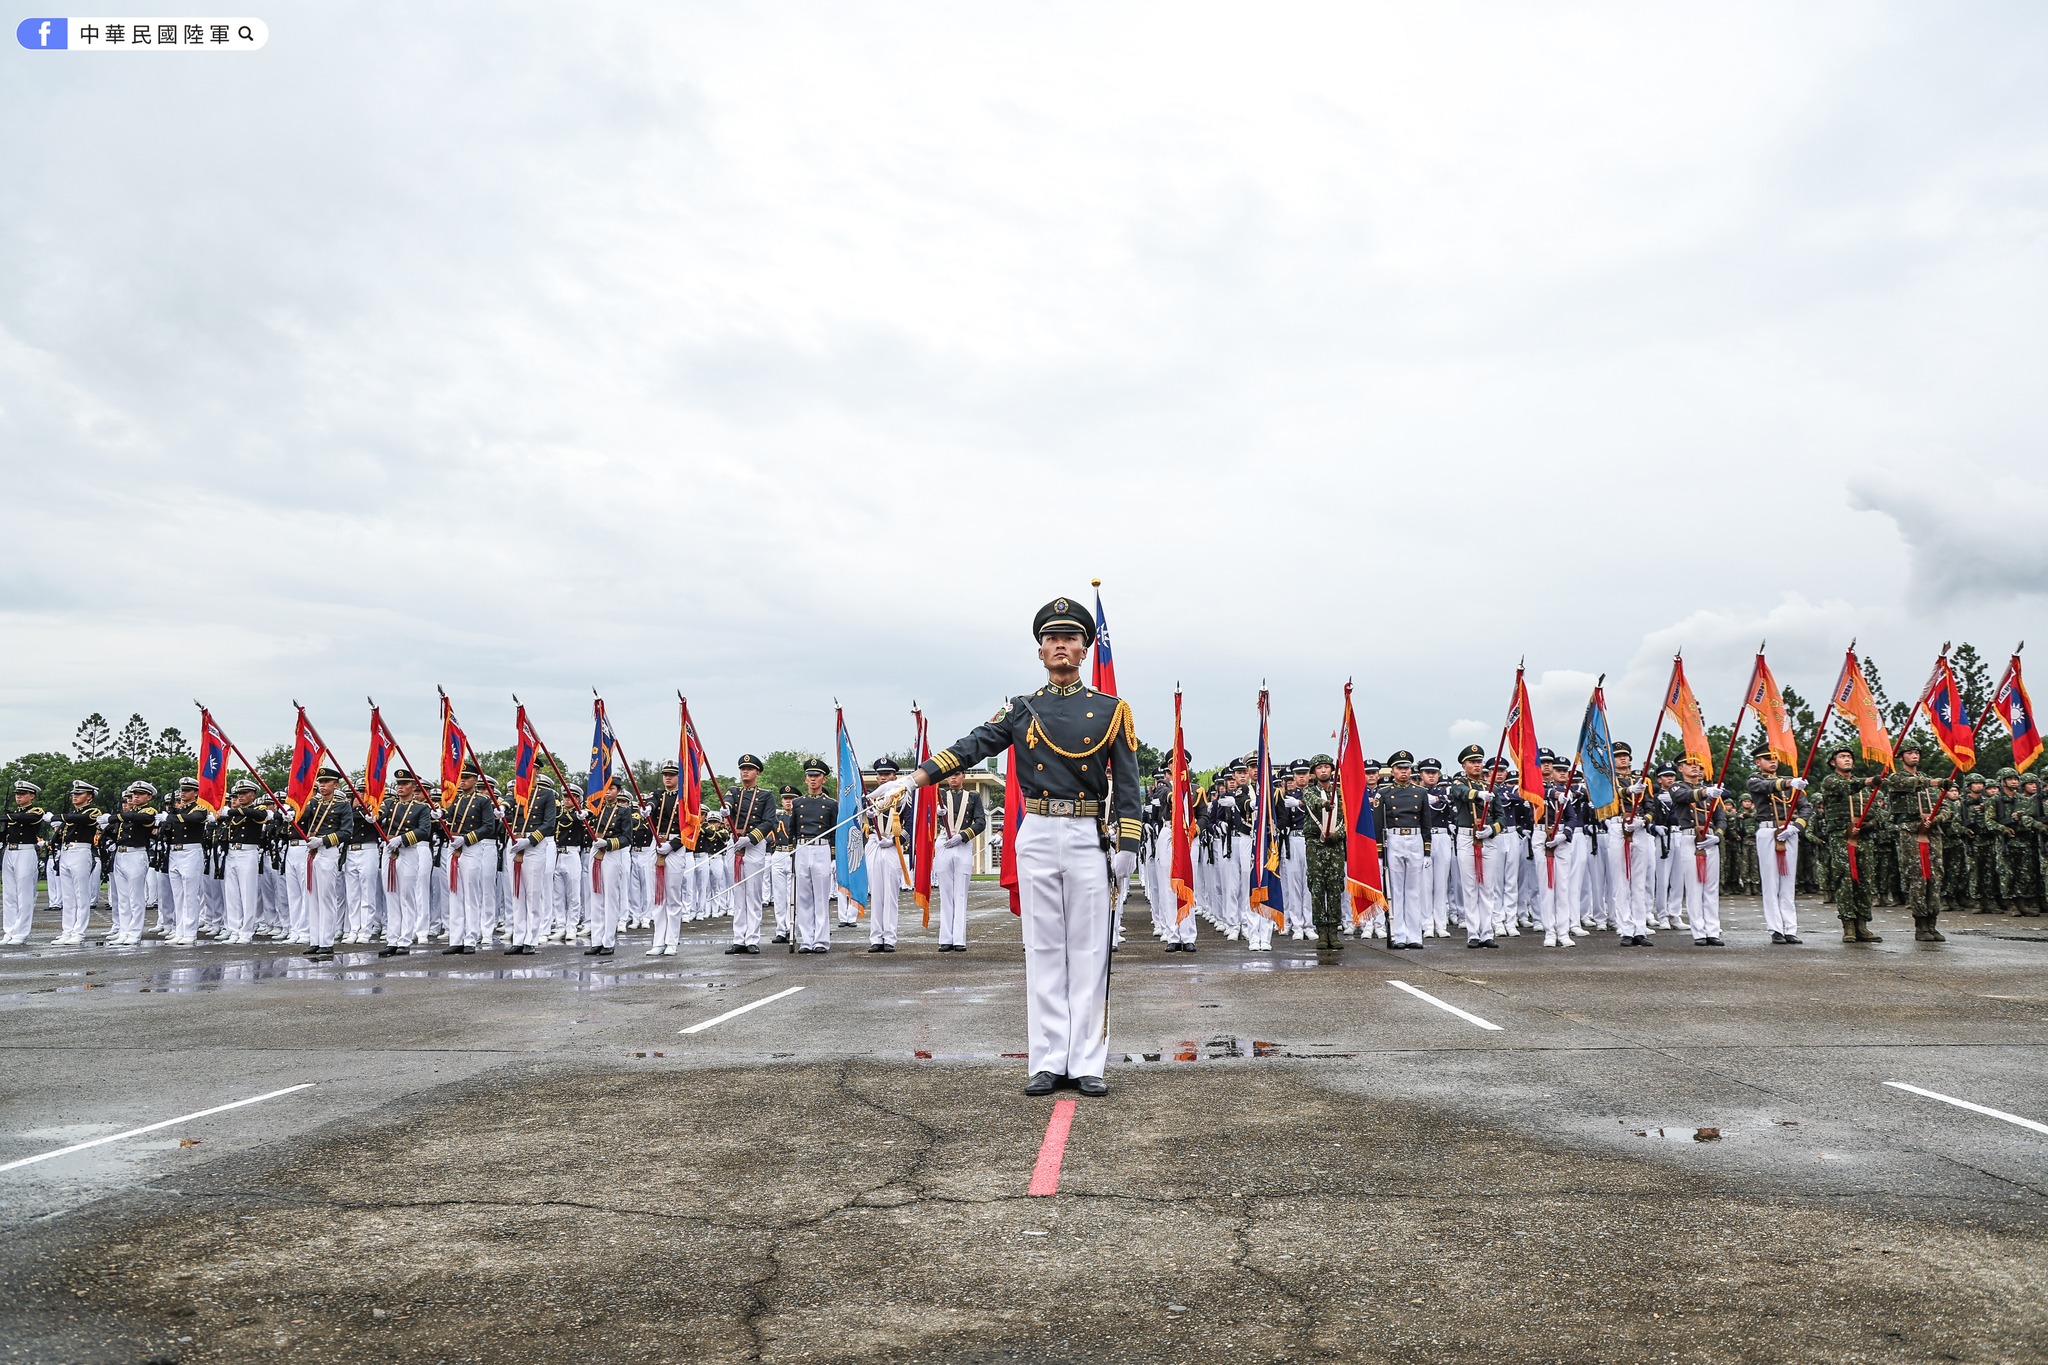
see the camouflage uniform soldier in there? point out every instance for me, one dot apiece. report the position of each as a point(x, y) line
point(2030, 881)
point(1965, 845)
point(1922, 819)
point(2002, 823)
point(1742, 876)
point(1845, 800)
point(1326, 839)
point(1877, 852)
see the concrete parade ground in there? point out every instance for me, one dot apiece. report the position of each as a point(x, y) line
point(1528, 1154)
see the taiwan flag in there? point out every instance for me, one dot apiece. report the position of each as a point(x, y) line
point(1102, 666)
point(1361, 842)
point(213, 764)
point(2013, 707)
point(454, 749)
point(1523, 749)
point(1951, 718)
point(298, 783)
point(525, 760)
point(377, 766)
point(689, 782)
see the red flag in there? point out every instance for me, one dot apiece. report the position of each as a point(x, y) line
point(525, 760)
point(1950, 718)
point(454, 749)
point(1101, 664)
point(1361, 838)
point(690, 782)
point(924, 822)
point(377, 766)
point(1013, 816)
point(1182, 856)
point(213, 764)
point(2011, 703)
point(298, 786)
point(1522, 746)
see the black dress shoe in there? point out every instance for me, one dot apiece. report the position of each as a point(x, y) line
point(876, 948)
point(754, 948)
point(736, 948)
point(599, 951)
point(451, 950)
point(394, 952)
point(320, 954)
point(888, 947)
point(1041, 1083)
point(1777, 937)
point(1793, 938)
point(1094, 1087)
point(469, 947)
point(1714, 941)
point(780, 938)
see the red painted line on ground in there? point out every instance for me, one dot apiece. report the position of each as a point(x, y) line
point(1045, 1176)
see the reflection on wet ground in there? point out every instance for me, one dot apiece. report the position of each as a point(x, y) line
point(360, 967)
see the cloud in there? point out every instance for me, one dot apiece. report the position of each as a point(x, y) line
point(1971, 533)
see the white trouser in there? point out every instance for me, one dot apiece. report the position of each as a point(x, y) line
point(81, 880)
point(536, 883)
point(640, 888)
point(54, 873)
point(849, 911)
point(240, 892)
point(473, 895)
point(1175, 927)
point(885, 884)
point(212, 899)
point(1507, 907)
point(570, 889)
point(323, 902)
point(1528, 876)
point(1063, 886)
point(781, 881)
point(126, 887)
point(1407, 888)
point(159, 895)
point(1781, 912)
point(406, 908)
point(359, 874)
point(187, 868)
point(1479, 878)
point(815, 880)
point(1258, 923)
point(1238, 891)
point(296, 892)
point(952, 874)
point(610, 877)
point(1561, 876)
point(1703, 892)
point(746, 895)
point(1678, 871)
point(1437, 878)
point(19, 869)
point(671, 910)
point(1294, 881)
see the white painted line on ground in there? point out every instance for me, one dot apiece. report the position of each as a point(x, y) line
point(1466, 1015)
point(764, 1000)
point(1945, 1099)
point(152, 1127)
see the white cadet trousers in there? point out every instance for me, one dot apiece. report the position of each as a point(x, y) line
point(815, 879)
point(570, 891)
point(639, 908)
point(608, 902)
point(536, 893)
point(885, 886)
point(1781, 912)
point(1560, 878)
point(187, 868)
point(781, 879)
point(1678, 873)
point(1294, 883)
point(1479, 878)
point(1703, 892)
point(126, 887)
point(361, 885)
point(323, 902)
point(746, 895)
point(1237, 890)
point(18, 872)
point(81, 879)
point(1063, 888)
point(296, 891)
point(952, 875)
point(1407, 888)
point(473, 895)
point(671, 910)
point(239, 891)
point(1436, 876)
point(405, 916)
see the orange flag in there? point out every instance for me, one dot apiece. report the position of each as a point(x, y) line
point(1522, 748)
point(1770, 712)
point(1852, 698)
point(1684, 707)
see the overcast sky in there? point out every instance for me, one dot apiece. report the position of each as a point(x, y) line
point(784, 353)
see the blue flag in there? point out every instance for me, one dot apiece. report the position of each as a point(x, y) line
point(849, 854)
point(598, 785)
point(1596, 759)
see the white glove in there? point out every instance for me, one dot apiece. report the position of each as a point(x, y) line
point(1712, 790)
point(890, 792)
point(1551, 843)
point(1798, 783)
point(1664, 800)
point(1636, 825)
point(1483, 833)
point(105, 820)
point(395, 843)
point(1122, 864)
point(1710, 841)
point(1636, 789)
point(163, 817)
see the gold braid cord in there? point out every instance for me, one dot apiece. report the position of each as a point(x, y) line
point(1119, 723)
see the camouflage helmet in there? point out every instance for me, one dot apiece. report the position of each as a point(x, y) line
point(2008, 774)
point(1322, 761)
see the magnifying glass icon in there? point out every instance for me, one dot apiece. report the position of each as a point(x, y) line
point(246, 34)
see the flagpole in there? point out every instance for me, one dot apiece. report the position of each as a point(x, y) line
point(546, 752)
point(620, 750)
point(448, 707)
point(237, 749)
point(343, 771)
